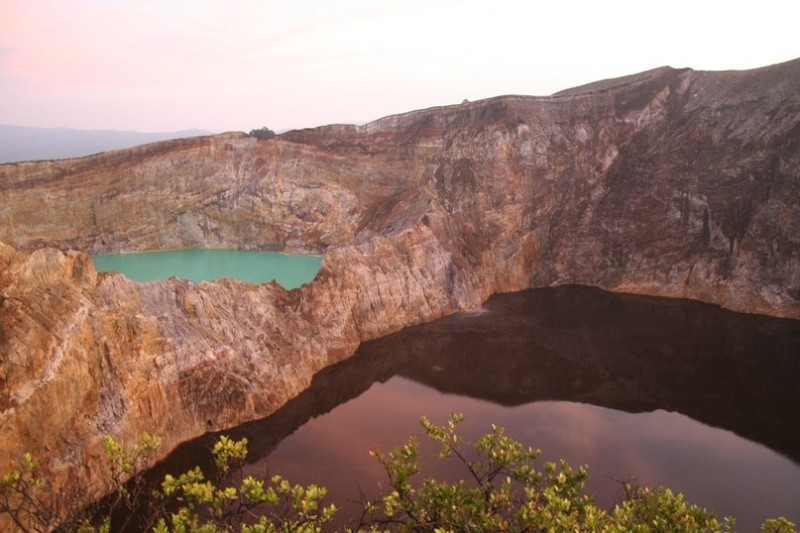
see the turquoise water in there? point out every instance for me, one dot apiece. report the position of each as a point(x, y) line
point(290, 271)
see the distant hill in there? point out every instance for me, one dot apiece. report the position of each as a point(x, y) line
point(20, 143)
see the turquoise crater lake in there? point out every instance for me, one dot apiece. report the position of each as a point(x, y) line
point(290, 271)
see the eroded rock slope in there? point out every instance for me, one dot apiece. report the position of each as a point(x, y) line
point(670, 182)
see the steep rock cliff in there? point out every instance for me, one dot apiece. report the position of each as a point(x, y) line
point(670, 182)
point(88, 354)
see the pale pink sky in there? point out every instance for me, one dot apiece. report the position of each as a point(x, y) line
point(235, 65)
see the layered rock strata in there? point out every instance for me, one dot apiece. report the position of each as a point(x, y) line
point(671, 182)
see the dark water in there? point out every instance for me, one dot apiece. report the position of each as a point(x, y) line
point(660, 391)
point(290, 271)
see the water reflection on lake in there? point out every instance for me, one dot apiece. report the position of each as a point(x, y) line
point(662, 391)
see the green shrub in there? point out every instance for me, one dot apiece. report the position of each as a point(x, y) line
point(503, 490)
point(262, 133)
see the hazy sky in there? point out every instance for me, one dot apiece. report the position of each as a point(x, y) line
point(236, 65)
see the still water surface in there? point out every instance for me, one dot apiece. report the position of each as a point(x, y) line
point(658, 391)
point(290, 271)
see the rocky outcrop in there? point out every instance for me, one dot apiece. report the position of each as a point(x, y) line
point(670, 182)
point(88, 354)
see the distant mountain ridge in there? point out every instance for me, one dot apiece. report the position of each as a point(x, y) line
point(22, 143)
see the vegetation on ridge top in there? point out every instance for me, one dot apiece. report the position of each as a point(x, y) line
point(262, 133)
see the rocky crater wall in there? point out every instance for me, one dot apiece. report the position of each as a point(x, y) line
point(670, 182)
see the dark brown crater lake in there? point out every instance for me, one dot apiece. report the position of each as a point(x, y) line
point(660, 391)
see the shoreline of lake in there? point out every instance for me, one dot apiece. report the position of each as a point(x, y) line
point(561, 368)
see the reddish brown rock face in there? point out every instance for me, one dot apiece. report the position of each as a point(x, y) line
point(671, 182)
